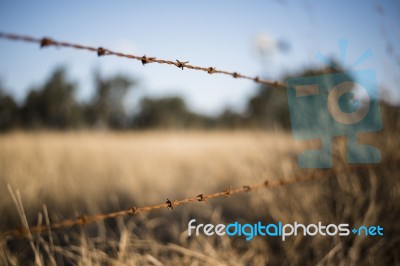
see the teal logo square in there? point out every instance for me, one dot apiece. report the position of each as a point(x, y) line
point(324, 106)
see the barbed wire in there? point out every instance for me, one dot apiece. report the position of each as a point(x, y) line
point(83, 220)
point(101, 51)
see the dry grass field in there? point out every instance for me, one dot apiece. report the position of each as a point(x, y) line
point(84, 173)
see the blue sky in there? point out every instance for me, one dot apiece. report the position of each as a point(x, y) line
point(223, 34)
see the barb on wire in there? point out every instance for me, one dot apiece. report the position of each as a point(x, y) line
point(171, 205)
point(101, 51)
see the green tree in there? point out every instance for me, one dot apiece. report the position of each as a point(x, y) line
point(269, 108)
point(167, 113)
point(107, 107)
point(230, 119)
point(9, 112)
point(53, 105)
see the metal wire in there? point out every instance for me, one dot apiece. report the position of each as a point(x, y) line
point(82, 220)
point(101, 51)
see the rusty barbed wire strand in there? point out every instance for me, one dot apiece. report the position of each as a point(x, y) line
point(83, 220)
point(101, 51)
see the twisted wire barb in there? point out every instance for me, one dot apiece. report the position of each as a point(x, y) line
point(82, 220)
point(101, 51)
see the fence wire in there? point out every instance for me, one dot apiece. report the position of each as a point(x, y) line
point(101, 51)
point(169, 204)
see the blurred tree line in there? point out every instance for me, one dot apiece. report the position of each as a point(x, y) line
point(54, 106)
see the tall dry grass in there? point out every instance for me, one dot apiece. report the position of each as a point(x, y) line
point(80, 173)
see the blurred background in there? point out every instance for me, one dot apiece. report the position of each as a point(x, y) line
point(270, 39)
point(83, 134)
